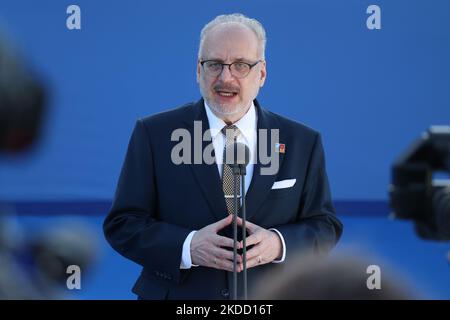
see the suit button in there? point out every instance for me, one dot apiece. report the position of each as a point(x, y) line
point(225, 293)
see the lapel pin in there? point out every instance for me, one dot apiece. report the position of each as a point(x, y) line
point(280, 147)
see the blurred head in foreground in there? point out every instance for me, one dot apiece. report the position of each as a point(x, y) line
point(343, 277)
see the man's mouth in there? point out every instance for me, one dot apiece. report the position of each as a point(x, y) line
point(226, 93)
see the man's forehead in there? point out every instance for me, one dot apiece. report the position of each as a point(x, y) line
point(231, 31)
point(230, 41)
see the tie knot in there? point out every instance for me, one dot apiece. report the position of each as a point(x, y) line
point(231, 132)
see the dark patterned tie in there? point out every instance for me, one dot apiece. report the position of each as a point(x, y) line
point(231, 133)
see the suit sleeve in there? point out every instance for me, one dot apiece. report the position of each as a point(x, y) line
point(317, 229)
point(132, 226)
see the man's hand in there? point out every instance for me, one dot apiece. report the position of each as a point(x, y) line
point(267, 245)
point(207, 247)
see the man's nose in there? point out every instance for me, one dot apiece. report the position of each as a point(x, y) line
point(225, 74)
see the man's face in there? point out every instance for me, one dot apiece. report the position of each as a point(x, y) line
point(229, 97)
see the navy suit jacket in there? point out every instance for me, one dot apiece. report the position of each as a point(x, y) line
point(158, 203)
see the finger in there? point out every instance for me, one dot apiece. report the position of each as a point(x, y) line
point(256, 261)
point(224, 264)
point(253, 252)
point(222, 223)
point(252, 239)
point(248, 225)
point(228, 255)
point(222, 241)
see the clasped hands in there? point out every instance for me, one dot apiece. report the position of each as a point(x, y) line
point(208, 249)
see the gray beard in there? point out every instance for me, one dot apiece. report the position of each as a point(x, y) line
point(220, 111)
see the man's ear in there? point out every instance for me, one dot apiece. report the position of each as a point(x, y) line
point(263, 73)
point(198, 71)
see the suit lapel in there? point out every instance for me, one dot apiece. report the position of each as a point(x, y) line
point(262, 184)
point(207, 176)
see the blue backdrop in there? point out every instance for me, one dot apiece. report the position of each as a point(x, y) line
point(369, 92)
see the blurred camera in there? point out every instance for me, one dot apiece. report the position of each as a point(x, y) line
point(416, 193)
point(22, 101)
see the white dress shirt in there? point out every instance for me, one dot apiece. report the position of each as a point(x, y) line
point(247, 125)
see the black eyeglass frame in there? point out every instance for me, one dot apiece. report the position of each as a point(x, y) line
point(250, 65)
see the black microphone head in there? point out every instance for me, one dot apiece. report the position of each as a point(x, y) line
point(237, 154)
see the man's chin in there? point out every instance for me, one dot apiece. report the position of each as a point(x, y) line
point(225, 110)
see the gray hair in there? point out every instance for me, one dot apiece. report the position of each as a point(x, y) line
point(236, 18)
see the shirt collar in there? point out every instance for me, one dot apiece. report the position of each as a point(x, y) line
point(247, 124)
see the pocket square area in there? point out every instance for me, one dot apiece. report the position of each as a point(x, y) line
point(282, 184)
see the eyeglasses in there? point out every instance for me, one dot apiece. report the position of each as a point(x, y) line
point(238, 69)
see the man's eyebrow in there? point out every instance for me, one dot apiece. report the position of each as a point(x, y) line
point(234, 60)
point(214, 59)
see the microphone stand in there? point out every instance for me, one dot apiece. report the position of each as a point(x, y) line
point(239, 170)
point(235, 209)
point(244, 231)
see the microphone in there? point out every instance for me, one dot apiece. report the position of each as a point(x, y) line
point(237, 156)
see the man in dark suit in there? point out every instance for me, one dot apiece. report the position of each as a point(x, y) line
point(172, 216)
